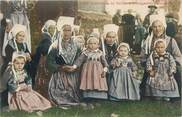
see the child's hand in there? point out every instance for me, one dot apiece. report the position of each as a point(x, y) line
point(103, 75)
point(152, 73)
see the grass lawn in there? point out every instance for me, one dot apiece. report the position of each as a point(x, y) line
point(144, 108)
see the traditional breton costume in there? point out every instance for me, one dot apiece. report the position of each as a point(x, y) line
point(25, 98)
point(40, 72)
point(63, 86)
point(123, 82)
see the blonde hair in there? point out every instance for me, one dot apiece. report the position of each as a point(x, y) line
point(19, 57)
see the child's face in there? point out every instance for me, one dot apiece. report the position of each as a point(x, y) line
point(93, 44)
point(110, 38)
point(20, 37)
point(160, 48)
point(123, 51)
point(19, 64)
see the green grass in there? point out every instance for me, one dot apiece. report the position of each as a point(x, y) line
point(144, 108)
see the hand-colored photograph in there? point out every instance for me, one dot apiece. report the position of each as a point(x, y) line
point(90, 58)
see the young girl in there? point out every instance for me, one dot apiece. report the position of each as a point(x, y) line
point(161, 66)
point(93, 81)
point(123, 84)
point(21, 96)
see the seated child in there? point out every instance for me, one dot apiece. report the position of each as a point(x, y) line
point(21, 96)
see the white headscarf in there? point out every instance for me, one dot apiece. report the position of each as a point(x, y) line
point(14, 56)
point(124, 44)
point(77, 27)
point(92, 38)
point(18, 54)
point(46, 26)
point(62, 21)
point(160, 40)
point(16, 29)
point(12, 35)
point(110, 28)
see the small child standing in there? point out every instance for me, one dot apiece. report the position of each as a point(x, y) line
point(161, 66)
point(123, 82)
point(21, 96)
point(94, 67)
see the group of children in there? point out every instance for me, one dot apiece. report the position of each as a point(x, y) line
point(104, 69)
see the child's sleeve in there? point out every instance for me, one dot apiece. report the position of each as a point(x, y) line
point(81, 59)
point(12, 86)
point(104, 63)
